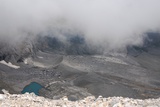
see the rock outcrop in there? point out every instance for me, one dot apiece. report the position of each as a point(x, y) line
point(16, 52)
point(31, 100)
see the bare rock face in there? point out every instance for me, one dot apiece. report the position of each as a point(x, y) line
point(74, 45)
point(16, 52)
point(31, 100)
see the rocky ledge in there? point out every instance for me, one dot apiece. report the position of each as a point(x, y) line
point(31, 100)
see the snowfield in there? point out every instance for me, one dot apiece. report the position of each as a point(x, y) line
point(9, 64)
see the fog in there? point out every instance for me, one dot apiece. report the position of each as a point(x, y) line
point(113, 24)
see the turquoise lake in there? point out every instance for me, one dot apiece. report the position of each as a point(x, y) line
point(32, 87)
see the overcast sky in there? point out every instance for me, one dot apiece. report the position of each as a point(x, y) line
point(111, 23)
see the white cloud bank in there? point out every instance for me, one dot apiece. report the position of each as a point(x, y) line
point(111, 23)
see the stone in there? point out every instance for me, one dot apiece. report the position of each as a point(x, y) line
point(1, 96)
point(31, 100)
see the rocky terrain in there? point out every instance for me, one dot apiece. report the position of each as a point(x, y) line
point(31, 100)
point(71, 53)
point(81, 73)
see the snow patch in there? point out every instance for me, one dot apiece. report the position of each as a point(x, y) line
point(25, 61)
point(34, 63)
point(9, 64)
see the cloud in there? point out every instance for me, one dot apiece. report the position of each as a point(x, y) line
point(113, 24)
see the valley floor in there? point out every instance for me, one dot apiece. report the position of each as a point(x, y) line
point(78, 77)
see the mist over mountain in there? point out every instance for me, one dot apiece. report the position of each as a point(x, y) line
point(78, 27)
point(151, 45)
point(73, 45)
point(80, 48)
point(110, 24)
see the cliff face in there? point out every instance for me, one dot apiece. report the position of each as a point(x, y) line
point(31, 100)
point(16, 52)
